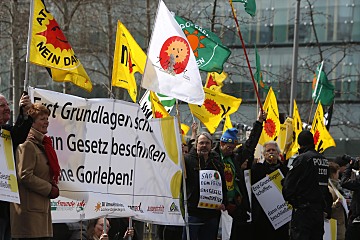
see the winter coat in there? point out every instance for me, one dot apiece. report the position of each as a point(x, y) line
point(32, 217)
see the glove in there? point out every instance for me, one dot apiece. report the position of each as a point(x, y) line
point(54, 193)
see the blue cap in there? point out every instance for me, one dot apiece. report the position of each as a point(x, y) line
point(229, 135)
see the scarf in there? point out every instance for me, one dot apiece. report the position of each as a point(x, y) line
point(52, 157)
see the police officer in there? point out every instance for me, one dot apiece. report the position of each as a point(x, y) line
point(305, 188)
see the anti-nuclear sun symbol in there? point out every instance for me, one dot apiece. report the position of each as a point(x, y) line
point(316, 137)
point(211, 106)
point(195, 41)
point(270, 127)
point(55, 36)
point(174, 54)
point(158, 114)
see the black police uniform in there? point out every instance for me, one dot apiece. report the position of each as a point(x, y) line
point(306, 189)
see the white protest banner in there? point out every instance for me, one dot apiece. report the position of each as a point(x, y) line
point(8, 182)
point(113, 160)
point(268, 193)
point(145, 103)
point(211, 194)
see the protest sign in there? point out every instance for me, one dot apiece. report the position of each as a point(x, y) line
point(113, 161)
point(211, 194)
point(8, 182)
point(268, 193)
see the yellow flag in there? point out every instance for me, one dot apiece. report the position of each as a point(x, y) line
point(271, 127)
point(214, 81)
point(322, 137)
point(227, 123)
point(184, 130)
point(157, 108)
point(216, 106)
point(128, 59)
point(50, 48)
point(284, 139)
point(297, 128)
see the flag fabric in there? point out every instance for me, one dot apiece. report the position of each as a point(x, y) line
point(271, 127)
point(157, 108)
point(258, 74)
point(227, 123)
point(297, 128)
point(285, 135)
point(328, 116)
point(184, 130)
point(214, 81)
point(322, 137)
point(322, 89)
point(216, 106)
point(50, 48)
point(129, 58)
point(250, 6)
point(145, 103)
point(171, 67)
point(208, 49)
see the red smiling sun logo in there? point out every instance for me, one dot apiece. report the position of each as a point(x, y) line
point(270, 127)
point(211, 106)
point(316, 137)
point(175, 54)
point(55, 36)
point(158, 114)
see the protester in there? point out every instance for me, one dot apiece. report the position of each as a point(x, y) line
point(353, 184)
point(203, 222)
point(18, 133)
point(338, 211)
point(96, 230)
point(306, 189)
point(38, 174)
point(233, 158)
point(262, 227)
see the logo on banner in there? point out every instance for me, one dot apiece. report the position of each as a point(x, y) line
point(109, 206)
point(67, 205)
point(174, 209)
point(136, 208)
point(156, 209)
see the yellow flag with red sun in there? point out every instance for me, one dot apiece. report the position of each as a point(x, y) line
point(216, 106)
point(322, 137)
point(214, 81)
point(271, 127)
point(184, 130)
point(129, 58)
point(157, 108)
point(50, 48)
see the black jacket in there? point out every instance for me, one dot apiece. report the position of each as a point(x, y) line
point(306, 183)
point(353, 185)
point(192, 162)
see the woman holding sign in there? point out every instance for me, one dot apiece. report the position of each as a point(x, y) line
point(38, 174)
point(206, 189)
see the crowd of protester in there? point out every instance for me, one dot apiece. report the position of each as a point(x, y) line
point(314, 186)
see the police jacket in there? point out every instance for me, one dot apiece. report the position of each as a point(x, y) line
point(353, 185)
point(306, 184)
point(194, 164)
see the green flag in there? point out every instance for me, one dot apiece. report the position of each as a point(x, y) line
point(250, 6)
point(258, 74)
point(322, 89)
point(209, 52)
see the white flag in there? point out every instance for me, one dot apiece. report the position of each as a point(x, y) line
point(171, 67)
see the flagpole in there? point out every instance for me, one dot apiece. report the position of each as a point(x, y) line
point(245, 53)
point(26, 80)
point(184, 177)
